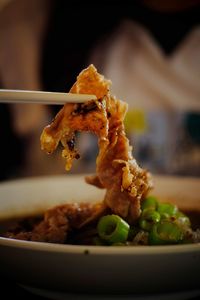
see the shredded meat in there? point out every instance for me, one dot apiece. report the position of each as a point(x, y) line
point(58, 222)
point(116, 170)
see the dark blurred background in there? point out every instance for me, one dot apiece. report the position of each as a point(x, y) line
point(149, 49)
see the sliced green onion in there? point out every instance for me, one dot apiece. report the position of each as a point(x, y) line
point(148, 218)
point(113, 229)
point(149, 202)
point(165, 232)
point(167, 210)
point(182, 219)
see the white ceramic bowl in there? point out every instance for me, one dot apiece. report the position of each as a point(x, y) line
point(69, 268)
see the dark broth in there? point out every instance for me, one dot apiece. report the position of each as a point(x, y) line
point(28, 222)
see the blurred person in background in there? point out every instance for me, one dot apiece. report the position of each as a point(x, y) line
point(23, 26)
point(149, 49)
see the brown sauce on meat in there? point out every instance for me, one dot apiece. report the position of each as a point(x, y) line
point(37, 229)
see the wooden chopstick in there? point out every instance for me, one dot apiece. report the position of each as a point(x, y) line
point(27, 96)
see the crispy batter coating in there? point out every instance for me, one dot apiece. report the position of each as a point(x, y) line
point(117, 171)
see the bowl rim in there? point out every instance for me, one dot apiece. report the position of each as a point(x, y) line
point(99, 250)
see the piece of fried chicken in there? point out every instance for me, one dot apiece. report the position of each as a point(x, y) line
point(117, 171)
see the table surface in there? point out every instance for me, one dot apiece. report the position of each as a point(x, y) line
point(10, 289)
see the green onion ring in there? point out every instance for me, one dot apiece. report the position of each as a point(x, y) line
point(113, 229)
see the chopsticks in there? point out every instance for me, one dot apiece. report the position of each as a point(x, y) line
point(27, 96)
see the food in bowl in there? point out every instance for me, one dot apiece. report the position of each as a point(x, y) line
point(128, 215)
point(159, 223)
